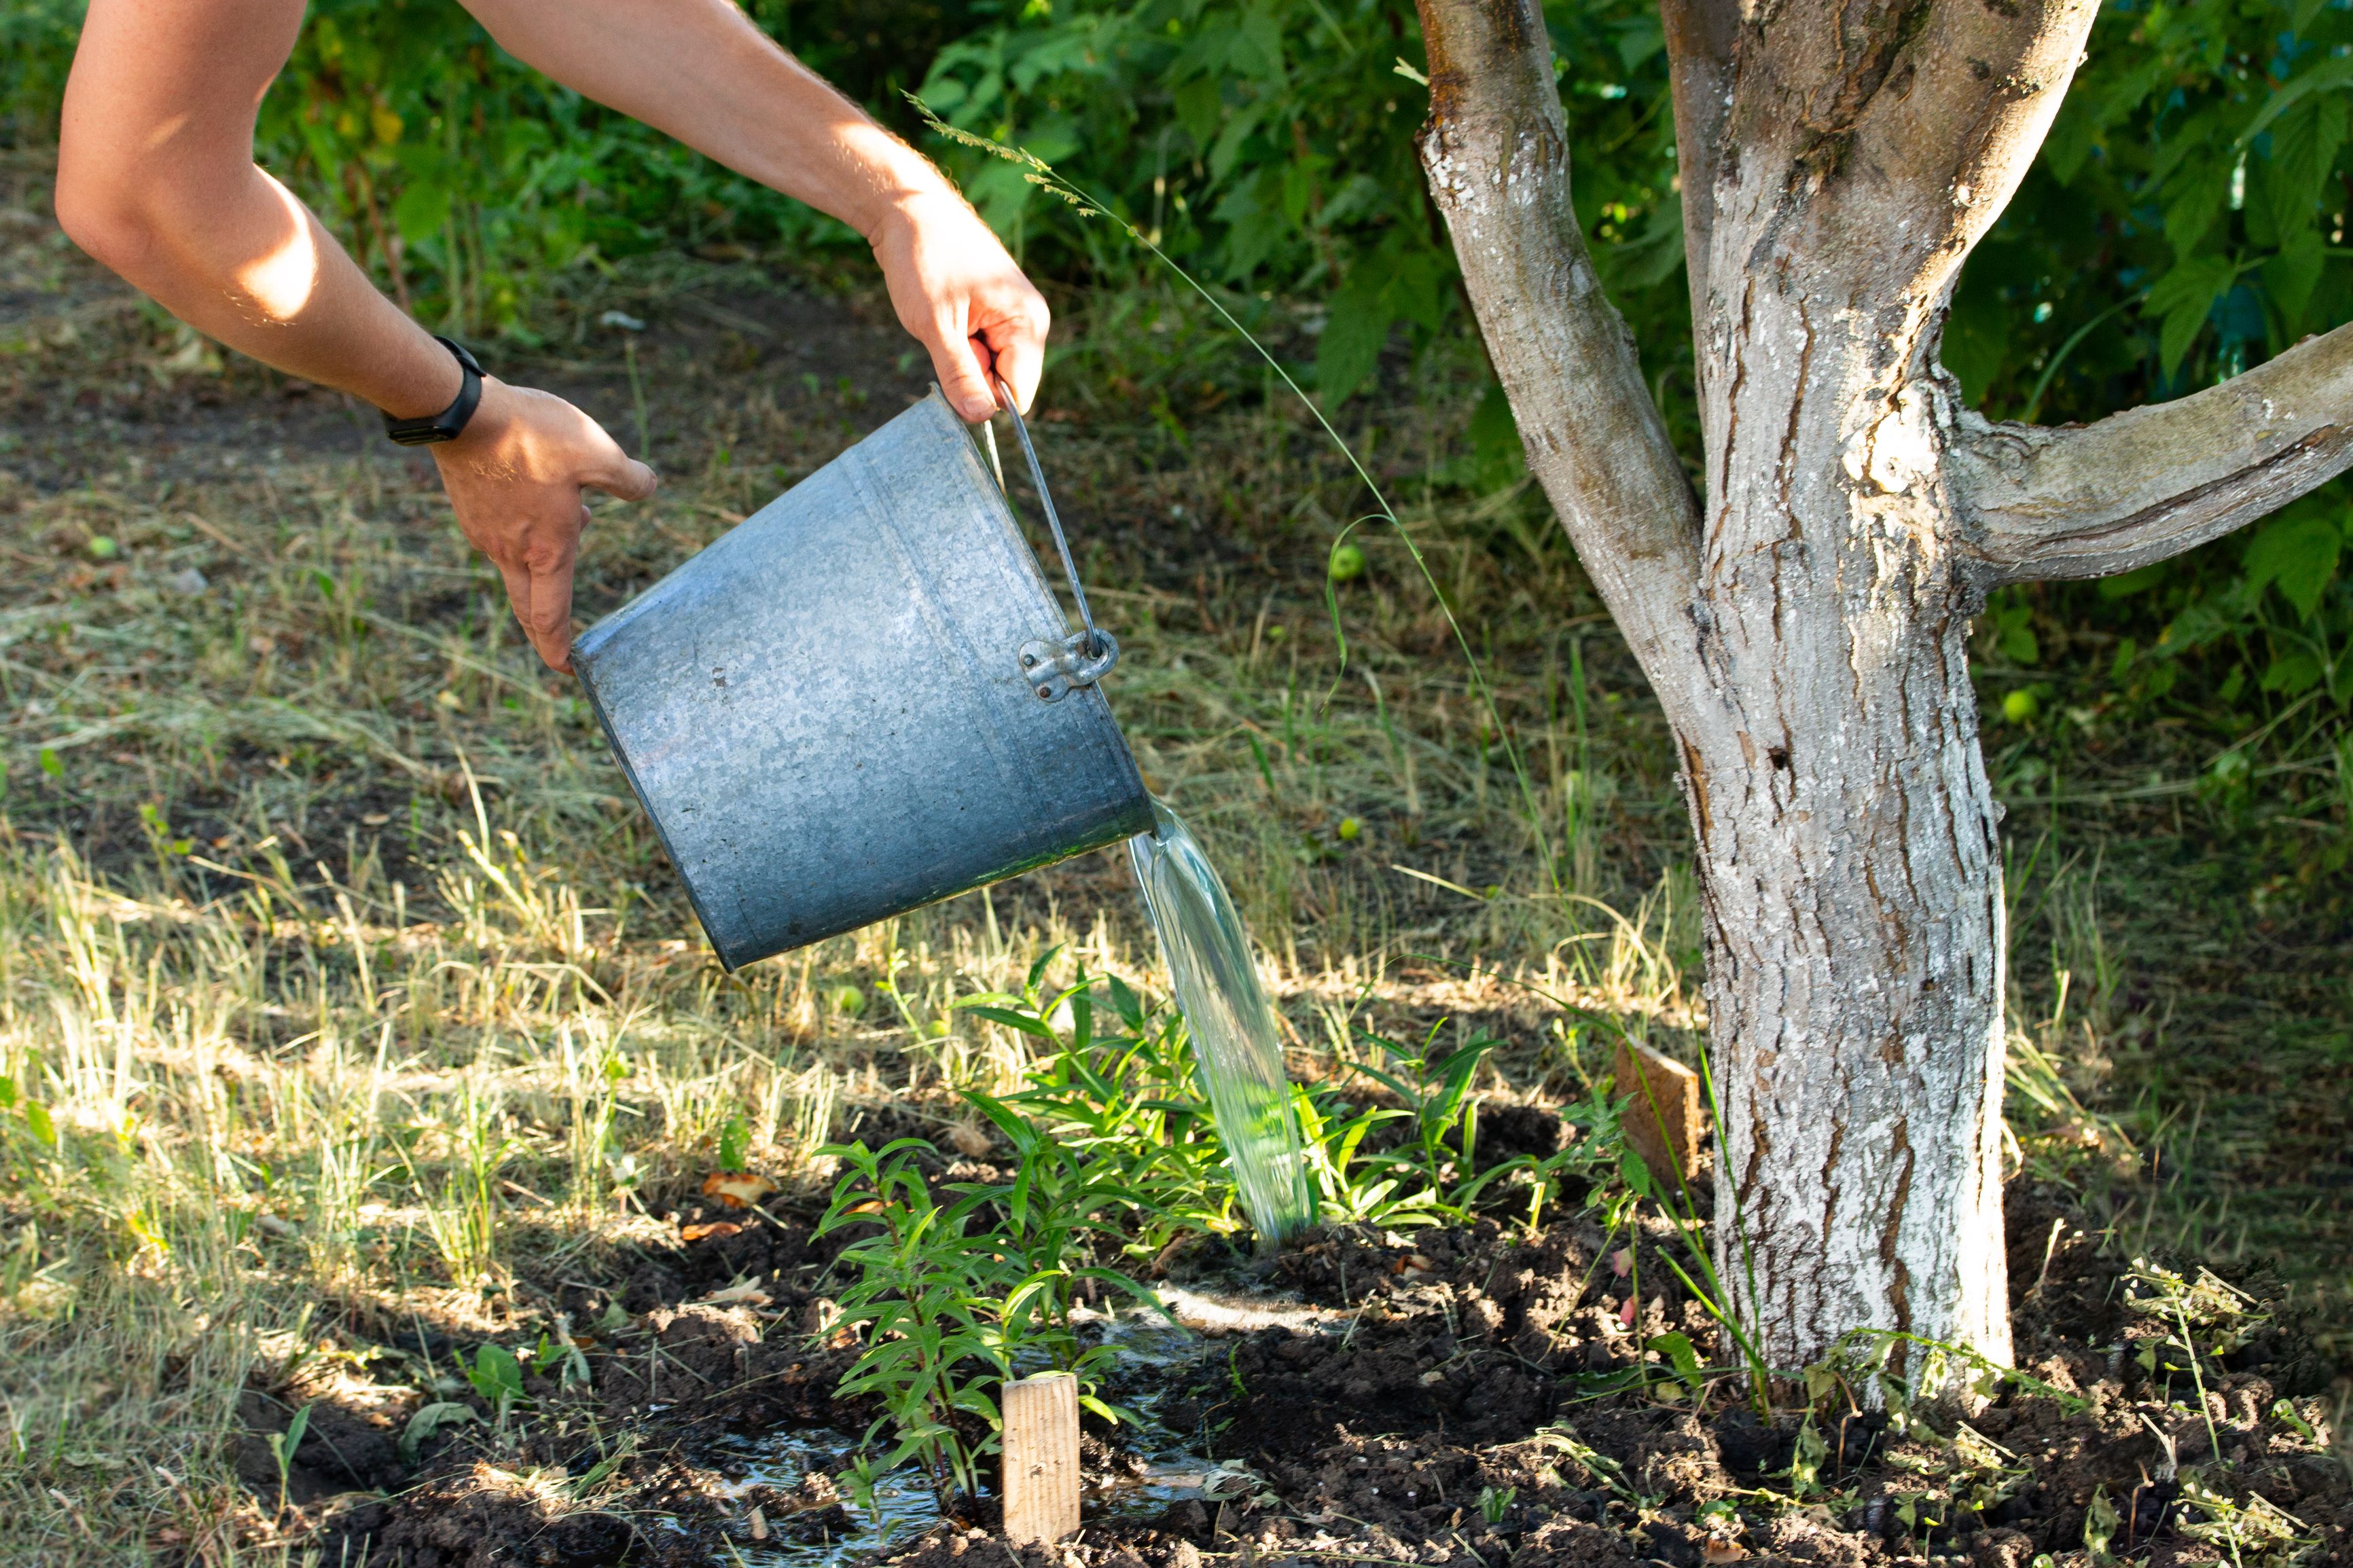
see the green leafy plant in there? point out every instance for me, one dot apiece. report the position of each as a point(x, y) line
point(919, 1296)
point(282, 1446)
point(1350, 1190)
point(734, 1144)
point(1123, 1090)
point(428, 1422)
point(1441, 1150)
point(497, 1376)
point(861, 1481)
point(1057, 1206)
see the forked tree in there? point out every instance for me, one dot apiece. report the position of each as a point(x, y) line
point(1803, 614)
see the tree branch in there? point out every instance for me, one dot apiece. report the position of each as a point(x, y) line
point(1496, 152)
point(1701, 37)
point(2151, 482)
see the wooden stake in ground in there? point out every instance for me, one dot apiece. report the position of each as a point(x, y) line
point(1041, 1458)
point(1660, 1112)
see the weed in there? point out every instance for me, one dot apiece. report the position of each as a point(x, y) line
point(497, 1376)
point(1441, 1148)
point(282, 1446)
point(1334, 1134)
point(860, 1481)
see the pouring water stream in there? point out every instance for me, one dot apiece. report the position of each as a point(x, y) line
point(1235, 1043)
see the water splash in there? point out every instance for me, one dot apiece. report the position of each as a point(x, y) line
point(1234, 1038)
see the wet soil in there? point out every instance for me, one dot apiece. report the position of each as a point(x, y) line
point(1473, 1396)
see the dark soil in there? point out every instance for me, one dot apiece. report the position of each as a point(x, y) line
point(1469, 1396)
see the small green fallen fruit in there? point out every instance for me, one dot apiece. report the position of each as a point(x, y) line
point(2020, 706)
point(1347, 563)
point(1349, 828)
point(846, 999)
point(102, 548)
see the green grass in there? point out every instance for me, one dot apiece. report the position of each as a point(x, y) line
point(353, 990)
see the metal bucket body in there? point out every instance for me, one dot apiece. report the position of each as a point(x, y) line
point(827, 714)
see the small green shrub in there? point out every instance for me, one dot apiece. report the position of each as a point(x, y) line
point(919, 1293)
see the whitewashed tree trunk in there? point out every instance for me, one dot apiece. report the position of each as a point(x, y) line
point(1804, 625)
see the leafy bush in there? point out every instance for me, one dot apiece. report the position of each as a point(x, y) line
point(2186, 221)
point(1270, 147)
point(1129, 1100)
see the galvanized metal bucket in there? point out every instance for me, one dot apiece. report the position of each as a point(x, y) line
point(863, 698)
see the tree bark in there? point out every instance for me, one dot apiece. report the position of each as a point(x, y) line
point(1805, 627)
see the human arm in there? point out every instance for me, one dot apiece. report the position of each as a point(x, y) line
point(699, 70)
point(156, 179)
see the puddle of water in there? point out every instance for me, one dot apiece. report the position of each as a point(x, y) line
point(782, 1460)
point(1234, 1037)
point(1136, 1379)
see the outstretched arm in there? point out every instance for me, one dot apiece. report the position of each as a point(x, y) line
point(699, 70)
point(156, 179)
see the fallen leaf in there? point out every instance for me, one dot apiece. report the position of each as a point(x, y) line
point(1626, 1313)
point(1621, 1262)
point(699, 1232)
point(759, 1522)
point(737, 1189)
point(744, 1292)
point(1716, 1551)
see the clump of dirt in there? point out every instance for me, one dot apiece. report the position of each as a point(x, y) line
point(1438, 1397)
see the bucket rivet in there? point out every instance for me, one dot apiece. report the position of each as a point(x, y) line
point(1046, 691)
point(1028, 661)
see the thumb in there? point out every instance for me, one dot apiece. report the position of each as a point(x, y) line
point(625, 479)
point(963, 377)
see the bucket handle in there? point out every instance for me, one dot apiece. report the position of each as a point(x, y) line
point(1096, 644)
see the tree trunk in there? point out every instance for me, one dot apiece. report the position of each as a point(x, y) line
point(1805, 627)
point(1848, 859)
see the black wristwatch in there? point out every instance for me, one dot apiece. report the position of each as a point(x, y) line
point(448, 425)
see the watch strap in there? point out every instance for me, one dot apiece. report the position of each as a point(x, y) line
point(448, 425)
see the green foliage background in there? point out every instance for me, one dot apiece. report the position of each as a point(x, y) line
point(2186, 221)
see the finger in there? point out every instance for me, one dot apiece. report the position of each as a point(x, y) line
point(1017, 337)
point(526, 602)
point(545, 611)
point(1020, 361)
point(608, 468)
point(964, 375)
point(624, 478)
